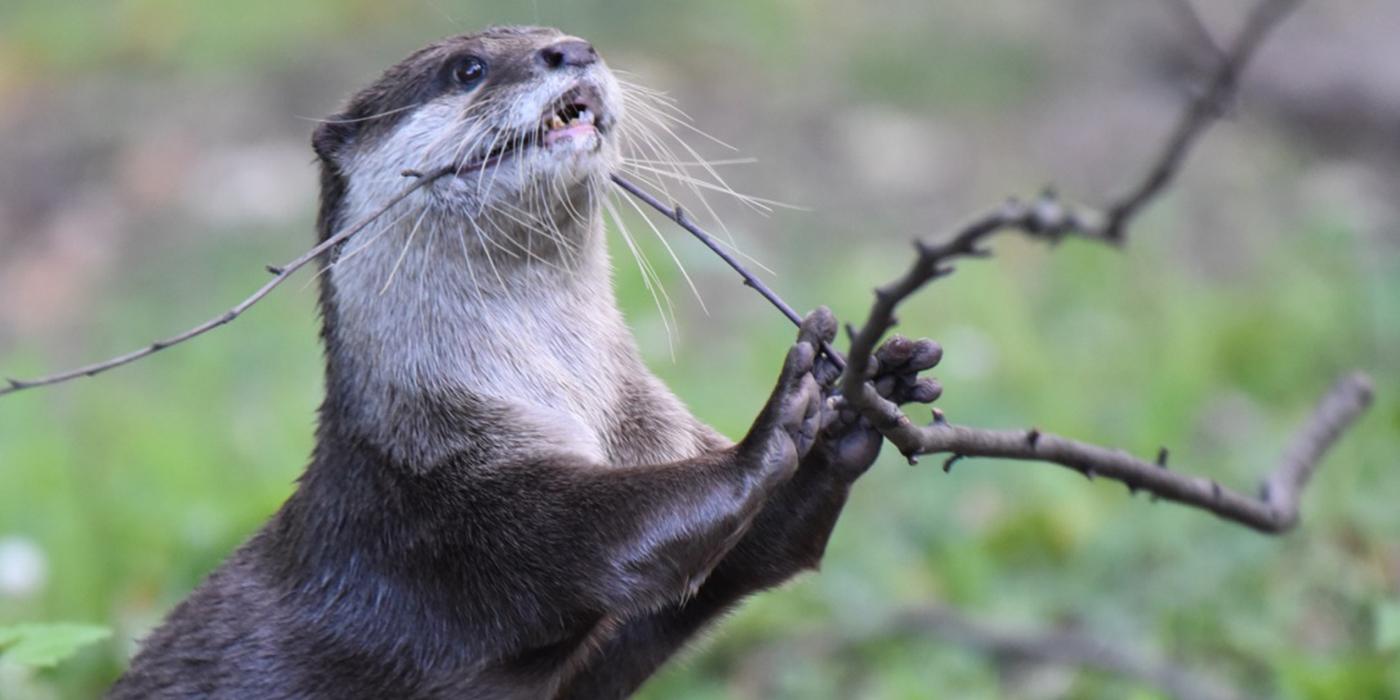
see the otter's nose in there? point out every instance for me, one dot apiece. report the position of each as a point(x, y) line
point(569, 52)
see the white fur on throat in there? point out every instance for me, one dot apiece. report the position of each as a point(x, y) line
point(491, 289)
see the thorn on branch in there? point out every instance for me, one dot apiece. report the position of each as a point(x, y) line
point(274, 269)
point(948, 463)
point(1088, 473)
point(1033, 437)
point(1162, 457)
point(939, 418)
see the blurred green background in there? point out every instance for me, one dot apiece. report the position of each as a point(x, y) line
point(153, 157)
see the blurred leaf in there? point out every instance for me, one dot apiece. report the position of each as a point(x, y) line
point(46, 645)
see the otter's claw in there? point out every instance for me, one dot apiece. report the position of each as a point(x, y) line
point(790, 423)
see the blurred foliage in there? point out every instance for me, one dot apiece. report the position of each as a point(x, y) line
point(45, 645)
point(135, 485)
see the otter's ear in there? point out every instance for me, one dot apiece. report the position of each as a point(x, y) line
point(330, 138)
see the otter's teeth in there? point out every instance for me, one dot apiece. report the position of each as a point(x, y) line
point(555, 122)
point(585, 116)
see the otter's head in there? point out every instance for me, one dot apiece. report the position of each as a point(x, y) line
point(524, 115)
point(443, 302)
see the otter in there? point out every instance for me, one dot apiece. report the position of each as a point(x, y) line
point(503, 502)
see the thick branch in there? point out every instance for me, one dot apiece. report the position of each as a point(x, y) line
point(1275, 510)
point(280, 275)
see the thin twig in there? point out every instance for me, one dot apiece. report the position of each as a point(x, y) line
point(1186, 11)
point(281, 273)
point(1199, 114)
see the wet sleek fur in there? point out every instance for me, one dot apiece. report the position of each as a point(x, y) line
point(503, 502)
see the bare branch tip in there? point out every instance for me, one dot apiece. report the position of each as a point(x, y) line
point(948, 463)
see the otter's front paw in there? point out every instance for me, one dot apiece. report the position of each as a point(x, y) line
point(787, 428)
point(848, 442)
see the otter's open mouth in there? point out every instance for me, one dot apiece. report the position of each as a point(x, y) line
point(577, 114)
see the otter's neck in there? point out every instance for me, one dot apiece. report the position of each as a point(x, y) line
point(440, 341)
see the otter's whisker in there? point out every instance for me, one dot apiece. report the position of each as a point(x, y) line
point(664, 106)
point(694, 163)
point(360, 248)
point(763, 204)
point(528, 226)
point(514, 105)
point(467, 263)
point(408, 242)
point(674, 258)
point(551, 222)
point(662, 151)
point(722, 185)
point(357, 120)
point(485, 249)
point(524, 248)
point(655, 288)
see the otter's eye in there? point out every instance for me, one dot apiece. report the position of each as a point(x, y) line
point(469, 71)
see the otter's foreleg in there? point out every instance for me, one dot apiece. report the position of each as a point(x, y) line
point(583, 546)
point(788, 536)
